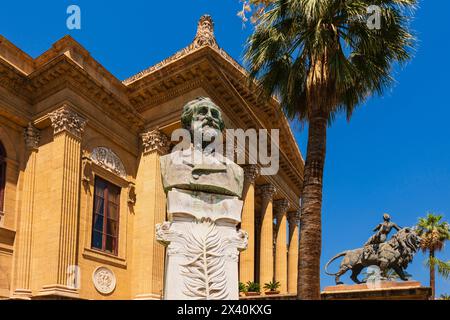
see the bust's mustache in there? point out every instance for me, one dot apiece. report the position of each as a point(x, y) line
point(211, 123)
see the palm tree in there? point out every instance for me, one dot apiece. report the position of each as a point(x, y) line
point(320, 58)
point(434, 232)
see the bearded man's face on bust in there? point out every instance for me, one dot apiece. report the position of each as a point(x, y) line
point(205, 120)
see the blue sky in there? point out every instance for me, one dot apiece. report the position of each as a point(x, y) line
point(394, 155)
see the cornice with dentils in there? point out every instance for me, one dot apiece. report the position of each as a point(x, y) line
point(66, 64)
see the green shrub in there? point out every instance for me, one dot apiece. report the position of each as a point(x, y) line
point(272, 286)
point(253, 287)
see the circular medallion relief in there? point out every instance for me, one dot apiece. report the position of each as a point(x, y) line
point(104, 280)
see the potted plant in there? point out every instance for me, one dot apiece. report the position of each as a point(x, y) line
point(272, 287)
point(252, 289)
point(242, 288)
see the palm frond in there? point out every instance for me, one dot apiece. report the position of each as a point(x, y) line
point(433, 231)
point(296, 37)
point(443, 268)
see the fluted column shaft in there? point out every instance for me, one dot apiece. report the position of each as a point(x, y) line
point(68, 128)
point(23, 253)
point(280, 210)
point(247, 257)
point(266, 233)
point(293, 252)
point(70, 146)
point(148, 266)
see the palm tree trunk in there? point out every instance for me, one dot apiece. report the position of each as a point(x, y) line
point(432, 276)
point(311, 210)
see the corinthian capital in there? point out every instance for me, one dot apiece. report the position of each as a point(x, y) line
point(31, 136)
point(294, 217)
point(251, 173)
point(64, 119)
point(155, 141)
point(280, 207)
point(267, 191)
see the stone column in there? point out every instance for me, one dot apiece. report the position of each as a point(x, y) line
point(150, 209)
point(266, 233)
point(247, 257)
point(293, 218)
point(68, 128)
point(280, 209)
point(24, 241)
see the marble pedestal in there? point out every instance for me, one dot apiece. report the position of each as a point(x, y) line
point(202, 245)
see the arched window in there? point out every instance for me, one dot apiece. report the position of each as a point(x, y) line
point(2, 175)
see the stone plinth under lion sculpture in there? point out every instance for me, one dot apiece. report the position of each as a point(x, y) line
point(203, 208)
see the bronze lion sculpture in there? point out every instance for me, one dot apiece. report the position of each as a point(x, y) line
point(394, 254)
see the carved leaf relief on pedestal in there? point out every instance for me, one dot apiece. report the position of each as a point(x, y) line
point(204, 274)
point(207, 252)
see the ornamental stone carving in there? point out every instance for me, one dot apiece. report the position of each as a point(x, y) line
point(211, 251)
point(131, 194)
point(267, 191)
point(86, 167)
point(251, 173)
point(293, 218)
point(65, 119)
point(205, 33)
point(280, 207)
point(155, 140)
point(31, 136)
point(107, 159)
point(104, 280)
